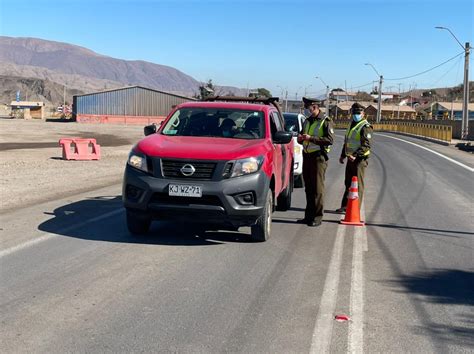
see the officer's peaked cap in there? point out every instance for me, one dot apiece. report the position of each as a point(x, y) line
point(310, 101)
point(357, 108)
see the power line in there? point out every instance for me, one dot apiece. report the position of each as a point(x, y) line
point(458, 62)
point(360, 86)
point(424, 72)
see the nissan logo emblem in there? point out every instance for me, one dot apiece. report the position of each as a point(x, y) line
point(188, 170)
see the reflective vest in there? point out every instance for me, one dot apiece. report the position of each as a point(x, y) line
point(318, 125)
point(353, 138)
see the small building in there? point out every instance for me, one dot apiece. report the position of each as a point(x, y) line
point(341, 96)
point(128, 105)
point(450, 110)
point(390, 112)
point(27, 109)
point(341, 111)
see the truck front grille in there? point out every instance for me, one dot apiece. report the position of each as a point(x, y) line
point(175, 168)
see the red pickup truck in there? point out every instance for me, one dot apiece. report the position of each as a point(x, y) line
point(225, 162)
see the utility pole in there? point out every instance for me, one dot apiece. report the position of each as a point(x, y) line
point(327, 95)
point(286, 101)
point(379, 103)
point(465, 103)
point(399, 101)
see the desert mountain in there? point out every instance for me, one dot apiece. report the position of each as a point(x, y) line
point(84, 70)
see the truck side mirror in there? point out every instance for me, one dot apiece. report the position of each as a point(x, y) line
point(150, 129)
point(282, 137)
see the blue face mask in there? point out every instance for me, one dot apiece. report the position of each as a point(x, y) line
point(307, 112)
point(227, 133)
point(357, 117)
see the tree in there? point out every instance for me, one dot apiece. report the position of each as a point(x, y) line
point(429, 93)
point(263, 92)
point(363, 96)
point(206, 90)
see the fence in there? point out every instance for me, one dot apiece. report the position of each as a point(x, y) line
point(433, 131)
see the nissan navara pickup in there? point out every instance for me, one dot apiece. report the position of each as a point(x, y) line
point(225, 162)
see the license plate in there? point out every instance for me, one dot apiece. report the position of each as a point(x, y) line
point(182, 190)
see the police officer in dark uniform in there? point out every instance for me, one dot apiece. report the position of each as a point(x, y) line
point(316, 137)
point(357, 144)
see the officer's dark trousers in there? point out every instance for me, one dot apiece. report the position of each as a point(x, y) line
point(314, 171)
point(356, 168)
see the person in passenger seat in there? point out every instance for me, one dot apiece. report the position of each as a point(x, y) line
point(251, 126)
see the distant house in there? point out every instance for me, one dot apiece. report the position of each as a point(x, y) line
point(341, 96)
point(450, 110)
point(390, 112)
point(27, 109)
point(341, 111)
point(386, 96)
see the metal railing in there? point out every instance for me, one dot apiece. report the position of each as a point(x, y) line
point(433, 131)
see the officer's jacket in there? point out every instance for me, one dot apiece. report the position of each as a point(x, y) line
point(362, 150)
point(322, 135)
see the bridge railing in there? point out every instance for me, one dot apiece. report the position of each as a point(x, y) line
point(433, 131)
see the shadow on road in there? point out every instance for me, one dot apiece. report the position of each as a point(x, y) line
point(102, 218)
point(422, 229)
point(446, 287)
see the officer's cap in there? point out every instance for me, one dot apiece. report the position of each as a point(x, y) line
point(357, 108)
point(310, 101)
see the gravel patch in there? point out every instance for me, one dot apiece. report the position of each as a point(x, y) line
point(32, 170)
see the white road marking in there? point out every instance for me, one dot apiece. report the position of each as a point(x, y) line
point(46, 235)
point(364, 234)
point(322, 333)
point(355, 341)
point(434, 152)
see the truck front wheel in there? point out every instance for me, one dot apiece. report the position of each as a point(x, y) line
point(260, 232)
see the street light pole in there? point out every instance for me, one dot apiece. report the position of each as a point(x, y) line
point(399, 101)
point(465, 103)
point(379, 103)
point(306, 90)
point(327, 95)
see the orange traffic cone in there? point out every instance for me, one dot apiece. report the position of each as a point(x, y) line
point(352, 216)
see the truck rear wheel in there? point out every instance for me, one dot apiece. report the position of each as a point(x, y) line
point(260, 232)
point(138, 223)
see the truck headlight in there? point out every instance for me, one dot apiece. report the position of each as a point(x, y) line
point(247, 166)
point(137, 161)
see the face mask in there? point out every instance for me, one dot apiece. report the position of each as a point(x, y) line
point(307, 112)
point(227, 133)
point(357, 117)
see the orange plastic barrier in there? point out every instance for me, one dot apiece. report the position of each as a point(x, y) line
point(352, 216)
point(80, 149)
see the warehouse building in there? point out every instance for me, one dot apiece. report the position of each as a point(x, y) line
point(128, 105)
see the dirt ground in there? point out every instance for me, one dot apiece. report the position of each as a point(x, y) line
point(31, 167)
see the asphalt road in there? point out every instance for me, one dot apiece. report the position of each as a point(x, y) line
point(73, 280)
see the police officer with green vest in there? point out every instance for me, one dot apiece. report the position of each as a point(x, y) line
point(356, 148)
point(316, 137)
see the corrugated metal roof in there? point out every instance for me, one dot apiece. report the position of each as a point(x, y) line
point(128, 101)
point(456, 106)
point(136, 86)
point(394, 107)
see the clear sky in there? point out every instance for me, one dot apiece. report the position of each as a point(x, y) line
point(262, 43)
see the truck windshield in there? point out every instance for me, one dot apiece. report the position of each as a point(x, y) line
point(216, 122)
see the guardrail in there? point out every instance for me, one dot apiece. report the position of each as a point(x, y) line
point(433, 131)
